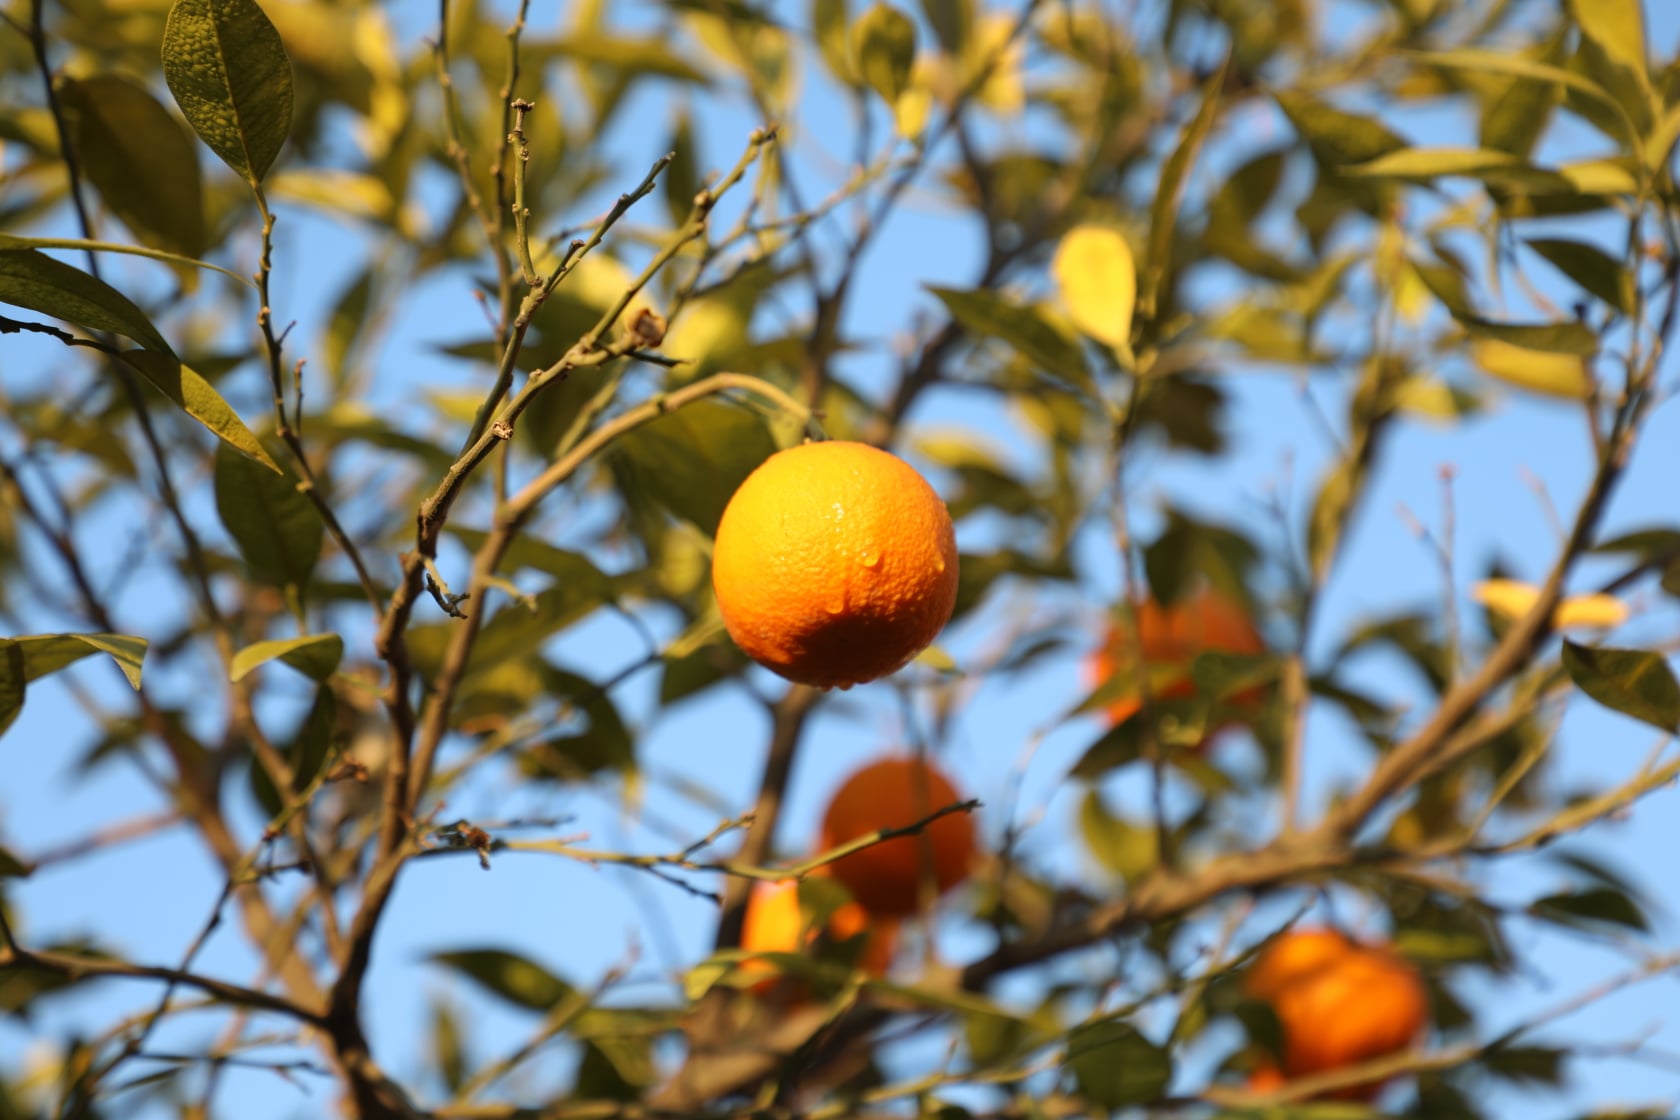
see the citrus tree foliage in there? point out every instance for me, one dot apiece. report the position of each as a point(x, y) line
point(363, 595)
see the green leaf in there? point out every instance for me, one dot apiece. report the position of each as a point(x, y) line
point(1611, 52)
point(1499, 62)
point(1595, 906)
point(448, 1054)
point(1527, 1064)
point(1220, 676)
point(48, 653)
point(1115, 1066)
point(228, 70)
point(652, 55)
point(13, 241)
point(276, 528)
point(306, 753)
point(991, 316)
point(141, 159)
point(1617, 27)
point(605, 745)
point(884, 44)
point(1336, 135)
point(1553, 338)
point(1427, 164)
point(952, 22)
point(1635, 682)
point(571, 568)
point(1565, 376)
point(617, 1069)
point(1514, 120)
point(198, 398)
point(13, 867)
point(516, 979)
point(1163, 211)
point(13, 682)
point(518, 629)
point(315, 656)
point(1127, 849)
point(693, 460)
point(1596, 271)
point(38, 282)
point(829, 19)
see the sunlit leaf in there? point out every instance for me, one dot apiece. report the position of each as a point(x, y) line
point(314, 655)
point(48, 653)
point(198, 398)
point(1551, 373)
point(1097, 276)
point(15, 241)
point(1439, 163)
point(1512, 599)
point(228, 70)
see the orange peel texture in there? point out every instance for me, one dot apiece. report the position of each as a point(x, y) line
point(835, 564)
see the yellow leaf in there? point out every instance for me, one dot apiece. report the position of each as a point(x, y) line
point(1512, 599)
point(1539, 371)
point(1602, 611)
point(1001, 91)
point(1412, 298)
point(1097, 276)
point(910, 111)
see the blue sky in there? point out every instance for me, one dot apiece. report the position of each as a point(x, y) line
point(1009, 744)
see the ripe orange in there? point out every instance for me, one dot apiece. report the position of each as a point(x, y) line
point(774, 924)
point(1170, 637)
point(1266, 1079)
point(1339, 1002)
point(886, 878)
point(835, 564)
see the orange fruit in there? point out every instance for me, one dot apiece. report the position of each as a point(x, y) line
point(1170, 637)
point(886, 878)
point(774, 923)
point(1340, 1003)
point(835, 564)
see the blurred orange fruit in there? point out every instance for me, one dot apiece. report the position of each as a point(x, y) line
point(886, 878)
point(774, 924)
point(1340, 1003)
point(835, 564)
point(1169, 637)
